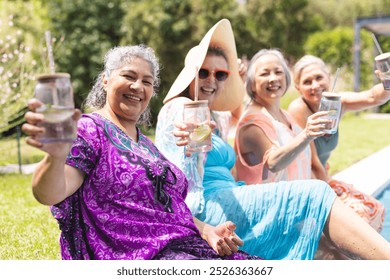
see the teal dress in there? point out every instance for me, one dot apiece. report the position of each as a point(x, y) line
point(277, 221)
point(325, 145)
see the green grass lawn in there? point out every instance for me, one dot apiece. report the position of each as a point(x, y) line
point(359, 138)
point(9, 151)
point(27, 229)
point(29, 232)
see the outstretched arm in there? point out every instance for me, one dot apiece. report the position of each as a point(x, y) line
point(256, 146)
point(357, 101)
point(52, 180)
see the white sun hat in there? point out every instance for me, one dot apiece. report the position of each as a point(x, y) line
point(221, 36)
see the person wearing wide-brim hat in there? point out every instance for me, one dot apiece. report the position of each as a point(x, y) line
point(217, 49)
point(230, 96)
point(276, 221)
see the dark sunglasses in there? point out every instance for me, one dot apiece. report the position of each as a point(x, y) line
point(220, 75)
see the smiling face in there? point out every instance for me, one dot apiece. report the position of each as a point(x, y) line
point(210, 87)
point(312, 82)
point(269, 79)
point(129, 89)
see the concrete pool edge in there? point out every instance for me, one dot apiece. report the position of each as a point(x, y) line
point(370, 175)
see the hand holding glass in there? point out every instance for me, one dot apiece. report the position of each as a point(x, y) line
point(196, 116)
point(331, 102)
point(56, 93)
point(382, 63)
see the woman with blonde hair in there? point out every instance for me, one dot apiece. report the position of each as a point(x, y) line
point(312, 78)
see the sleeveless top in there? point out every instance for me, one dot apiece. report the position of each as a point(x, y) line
point(325, 145)
point(279, 134)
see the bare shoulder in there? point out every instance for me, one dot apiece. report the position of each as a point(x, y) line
point(299, 111)
point(297, 106)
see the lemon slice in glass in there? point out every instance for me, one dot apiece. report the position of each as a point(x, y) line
point(200, 133)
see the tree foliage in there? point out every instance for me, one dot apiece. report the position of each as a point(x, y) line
point(327, 46)
point(88, 29)
point(20, 60)
point(163, 28)
point(343, 13)
point(277, 24)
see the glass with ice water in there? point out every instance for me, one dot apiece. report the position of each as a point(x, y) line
point(331, 102)
point(196, 116)
point(56, 93)
point(382, 63)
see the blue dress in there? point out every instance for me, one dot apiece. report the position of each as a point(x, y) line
point(277, 221)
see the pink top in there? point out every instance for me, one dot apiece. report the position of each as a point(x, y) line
point(279, 134)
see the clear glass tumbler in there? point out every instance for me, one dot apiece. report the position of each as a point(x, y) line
point(382, 63)
point(196, 116)
point(331, 102)
point(56, 93)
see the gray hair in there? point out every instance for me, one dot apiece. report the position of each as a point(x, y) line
point(251, 68)
point(305, 61)
point(114, 59)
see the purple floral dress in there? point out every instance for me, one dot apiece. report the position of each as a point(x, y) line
point(131, 203)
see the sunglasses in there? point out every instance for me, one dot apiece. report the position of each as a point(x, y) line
point(220, 75)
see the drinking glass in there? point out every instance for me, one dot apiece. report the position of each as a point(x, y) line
point(382, 63)
point(331, 102)
point(56, 93)
point(196, 116)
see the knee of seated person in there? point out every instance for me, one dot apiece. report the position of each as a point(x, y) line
point(321, 184)
point(314, 182)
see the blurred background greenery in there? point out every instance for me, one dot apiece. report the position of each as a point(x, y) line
point(82, 31)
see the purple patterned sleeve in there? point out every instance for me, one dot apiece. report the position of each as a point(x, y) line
point(85, 150)
point(83, 155)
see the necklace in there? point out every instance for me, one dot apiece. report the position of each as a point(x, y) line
point(308, 105)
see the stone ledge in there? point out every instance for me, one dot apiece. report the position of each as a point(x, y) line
point(370, 175)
